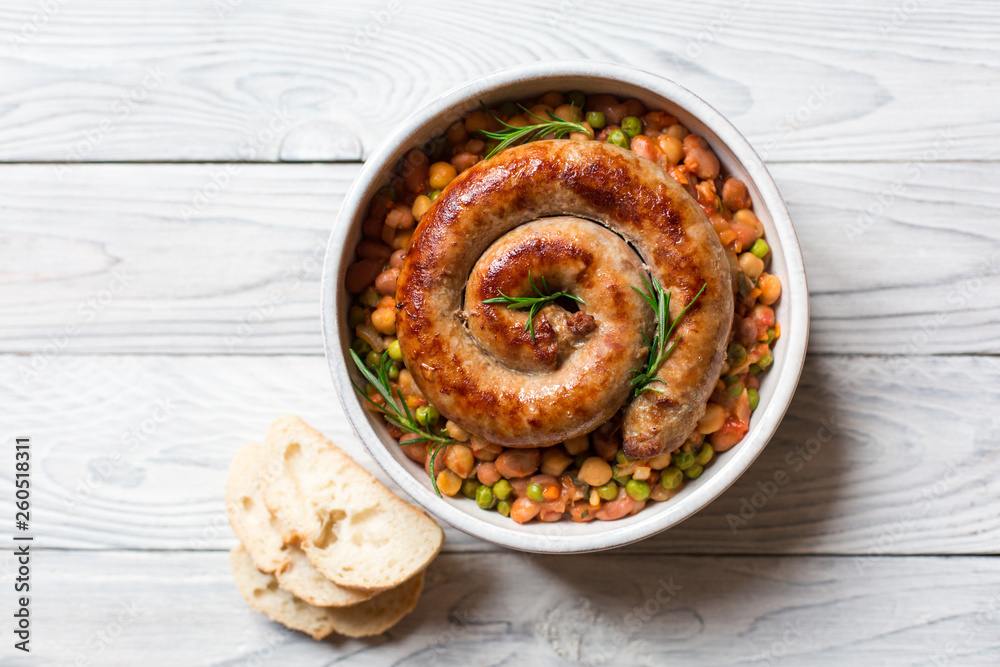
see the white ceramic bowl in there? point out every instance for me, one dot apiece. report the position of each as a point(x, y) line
point(736, 155)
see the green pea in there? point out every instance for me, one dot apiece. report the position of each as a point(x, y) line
point(580, 458)
point(361, 346)
point(427, 415)
point(503, 508)
point(771, 335)
point(395, 351)
point(737, 355)
point(595, 119)
point(705, 455)
point(484, 497)
point(620, 479)
point(388, 191)
point(577, 99)
point(356, 316)
point(766, 361)
point(760, 248)
point(490, 146)
point(393, 372)
point(754, 369)
point(373, 358)
point(683, 460)
point(731, 380)
point(470, 488)
point(637, 490)
point(671, 478)
point(433, 194)
point(509, 109)
point(621, 458)
point(734, 389)
point(618, 138)
point(370, 389)
point(754, 398)
point(370, 297)
point(535, 492)
point(632, 126)
point(502, 489)
point(694, 472)
point(609, 491)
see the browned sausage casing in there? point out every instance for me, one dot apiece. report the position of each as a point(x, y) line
point(475, 362)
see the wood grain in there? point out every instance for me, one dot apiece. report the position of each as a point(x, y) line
point(132, 452)
point(115, 608)
point(899, 262)
point(193, 80)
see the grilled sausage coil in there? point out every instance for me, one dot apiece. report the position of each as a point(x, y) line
point(590, 218)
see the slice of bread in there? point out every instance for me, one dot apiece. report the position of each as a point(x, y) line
point(261, 591)
point(351, 527)
point(252, 522)
point(260, 534)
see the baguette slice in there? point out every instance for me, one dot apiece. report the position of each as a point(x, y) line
point(260, 534)
point(252, 522)
point(373, 617)
point(351, 527)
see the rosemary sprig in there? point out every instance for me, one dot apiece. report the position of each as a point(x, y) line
point(398, 414)
point(514, 135)
point(659, 300)
point(535, 303)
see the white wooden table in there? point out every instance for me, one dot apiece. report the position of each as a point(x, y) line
point(170, 172)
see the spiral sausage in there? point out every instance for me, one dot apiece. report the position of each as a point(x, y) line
point(476, 363)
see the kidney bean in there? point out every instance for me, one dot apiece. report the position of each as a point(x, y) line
point(484, 451)
point(487, 473)
point(464, 160)
point(518, 462)
point(370, 249)
point(372, 228)
point(361, 274)
point(735, 194)
point(396, 259)
point(415, 169)
point(524, 510)
point(385, 283)
point(699, 158)
point(634, 107)
point(400, 217)
point(645, 147)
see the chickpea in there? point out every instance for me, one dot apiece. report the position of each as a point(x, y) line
point(595, 471)
point(448, 483)
point(475, 146)
point(552, 99)
point(384, 317)
point(745, 216)
point(712, 420)
point(420, 206)
point(770, 289)
point(569, 113)
point(671, 148)
point(678, 131)
point(518, 121)
point(699, 158)
point(555, 461)
point(660, 462)
point(477, 120)
point(542, 111)
point(385, 283)
point(361, 274)
point(751, 265)
point(464, 160)
point(457, 133)
point(441, 174)
point(577, 445)
point(396, 259)
point(457, 432)
point(400, 217)
point(459, 459)
point(402, 240)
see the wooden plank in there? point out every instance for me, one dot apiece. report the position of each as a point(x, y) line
point(158, 259)
point(313, 81)
point(132, 452)
point(119, 608)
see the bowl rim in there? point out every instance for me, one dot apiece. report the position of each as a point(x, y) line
point(795, 334)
